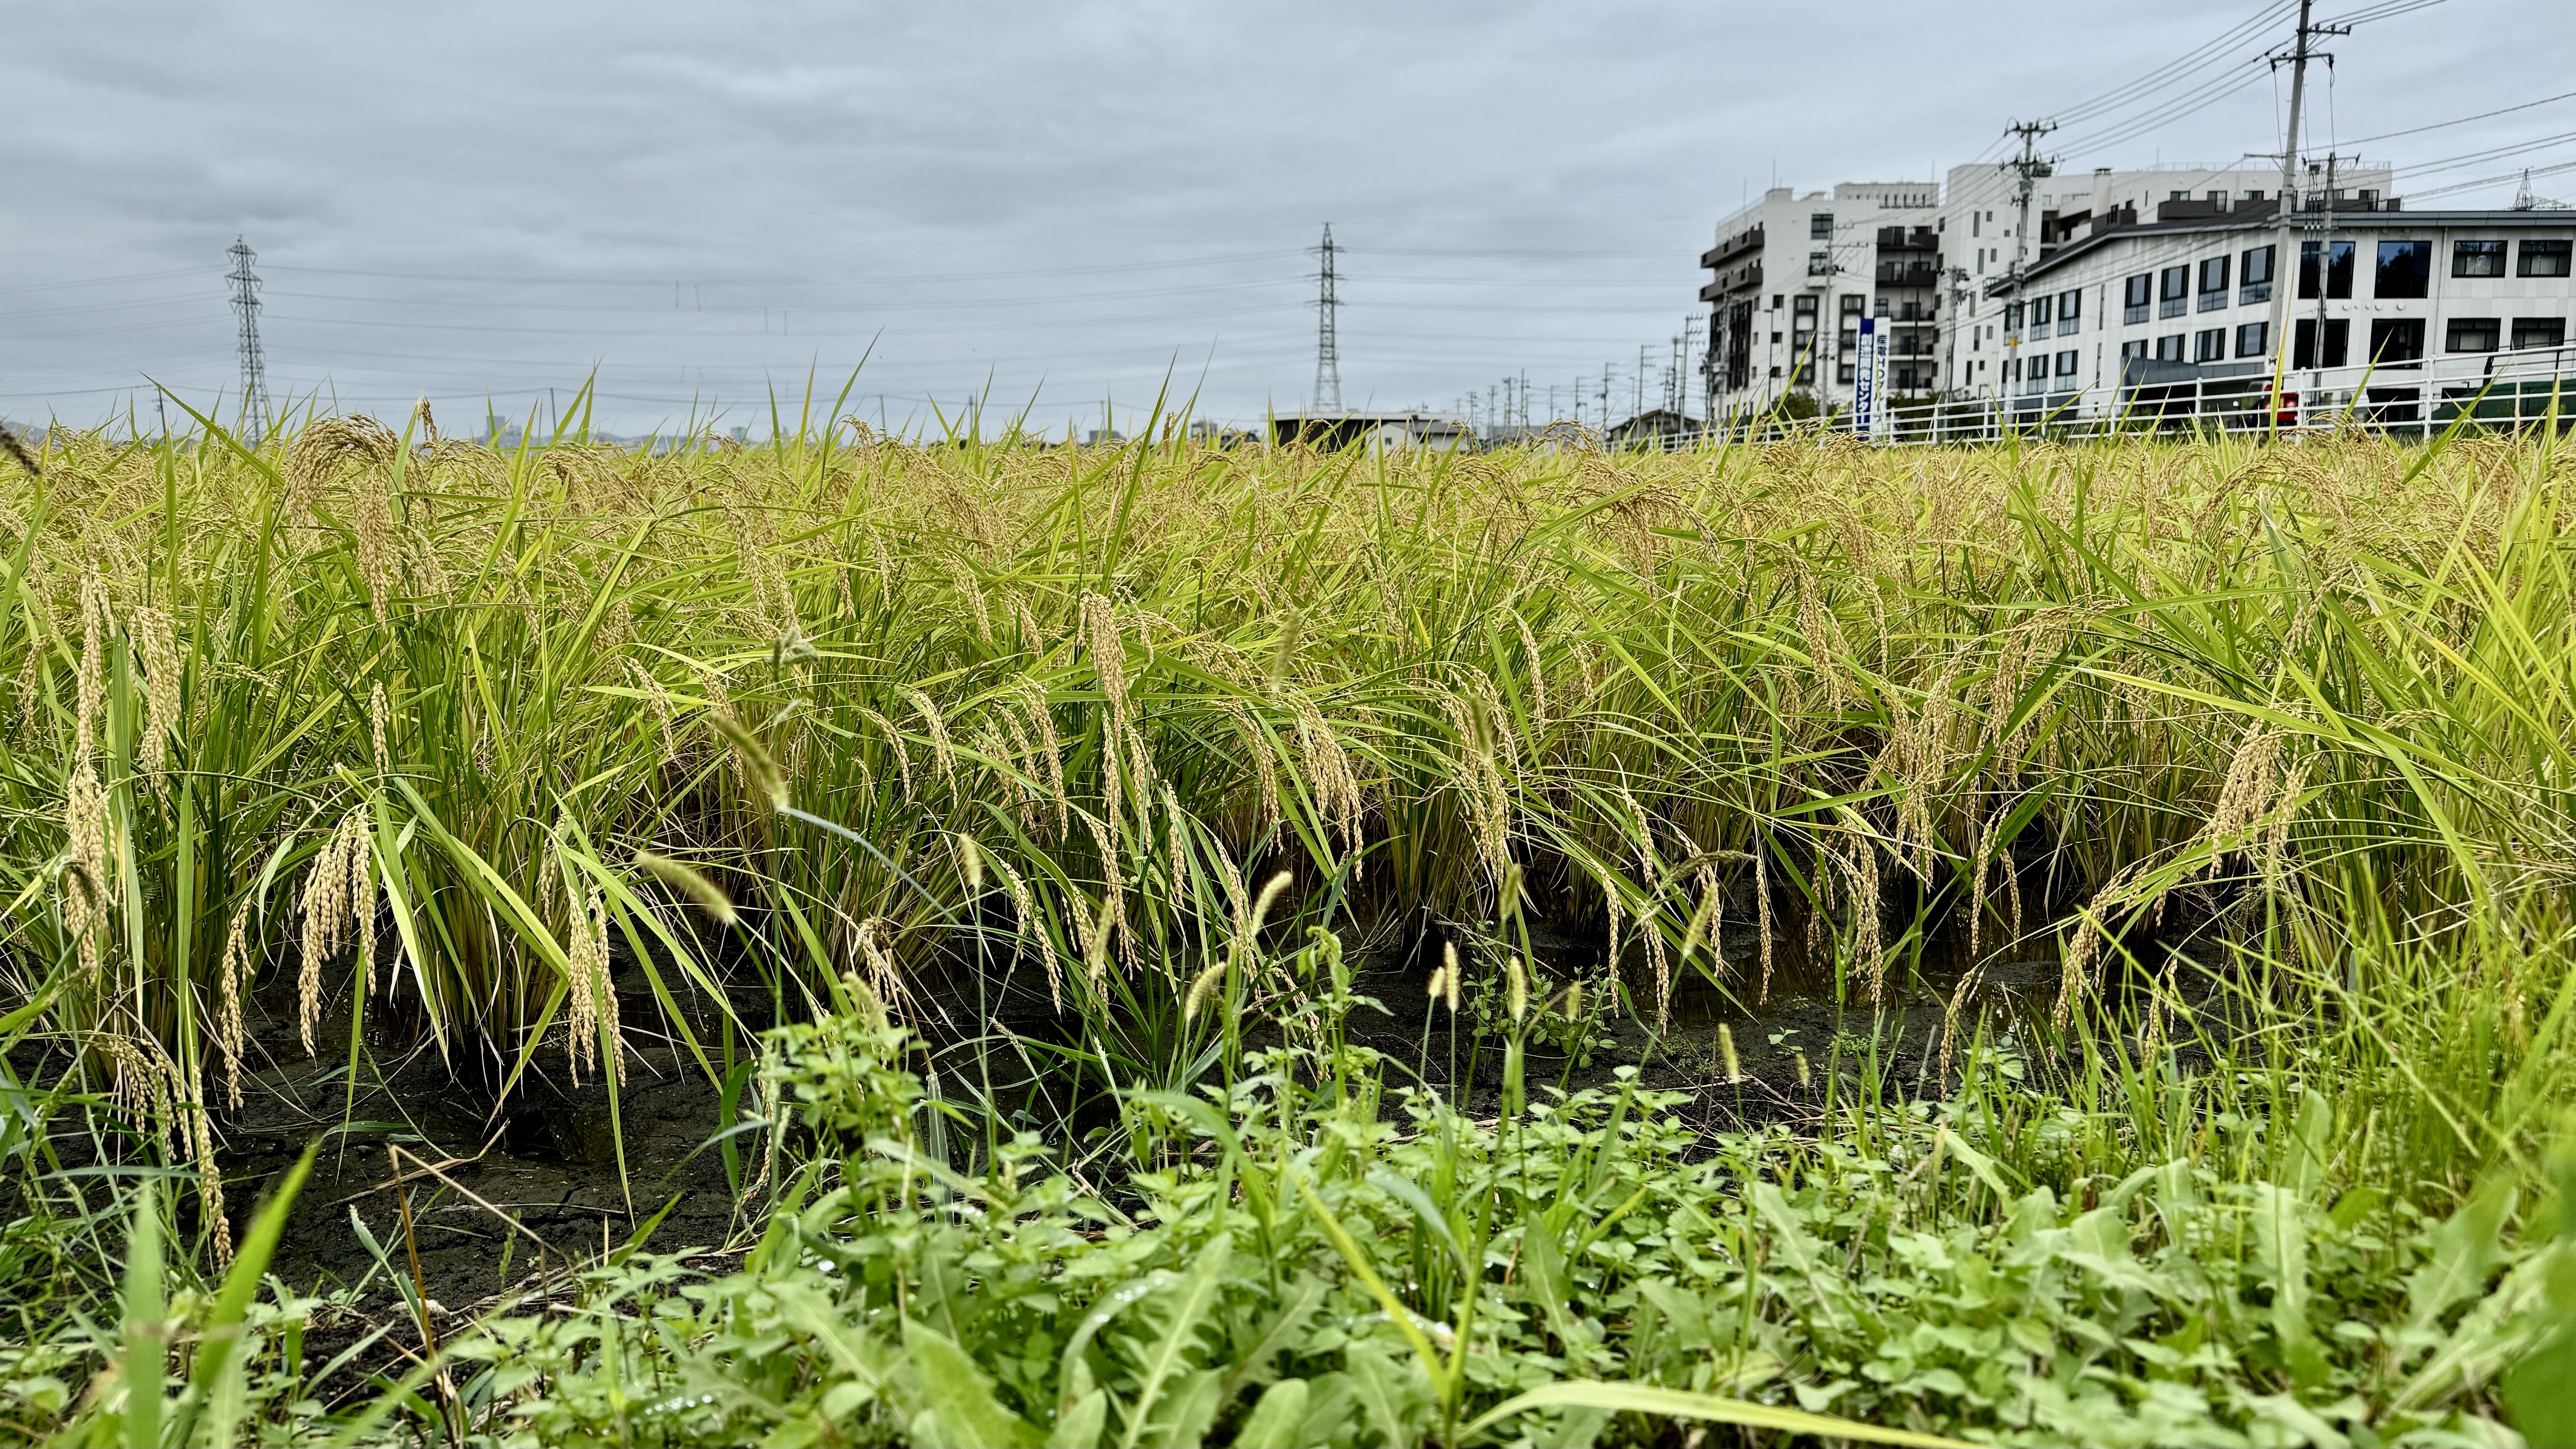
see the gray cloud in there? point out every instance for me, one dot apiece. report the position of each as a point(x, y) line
point(1061, 203)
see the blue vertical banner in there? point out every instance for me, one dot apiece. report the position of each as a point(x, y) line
point(1869, 380)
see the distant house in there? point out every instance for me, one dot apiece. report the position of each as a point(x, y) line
point(1654, 426)
point(1437, 431)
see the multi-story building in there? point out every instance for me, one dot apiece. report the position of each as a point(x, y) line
point(2390, 308)
point(1795, 274)
point(1981, 228)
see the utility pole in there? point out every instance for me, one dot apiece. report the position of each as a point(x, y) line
point(1645, 350)
point(2285, 265)
point(254, 368)
point(1605, 395)
point(1328, 357)
point(1694, 360)
point(2323, 226)
point(2027, 168)
point(1525, 399)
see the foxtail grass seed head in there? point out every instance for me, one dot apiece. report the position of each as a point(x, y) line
point(1806, 1075)
point(1726, 1053)
point(1202, 987)
point(691, 882)
point(1444, 981)
point(1276, 887)
point(970, 862)
point(761, 778)
point(1515, 988)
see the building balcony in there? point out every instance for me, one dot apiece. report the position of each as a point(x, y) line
point(1747, 240)
point(1908, 239)
point(1746, 277)
point(1908, 274)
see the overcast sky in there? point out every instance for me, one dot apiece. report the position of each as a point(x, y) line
point(1056, 204)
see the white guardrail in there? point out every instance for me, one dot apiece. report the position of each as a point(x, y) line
point(2529, 388)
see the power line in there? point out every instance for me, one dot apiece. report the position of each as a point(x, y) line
point(2460, 121)
point(665, 281)
point(2472, 158)
point(2172, 72)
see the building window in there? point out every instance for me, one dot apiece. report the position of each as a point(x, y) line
point(1853, 306)
point(2338, 269)
point(2405, 269)
point(2137, 349)
point(1775, 369)
point(2012, 316)
point(2473, 334)
point(2209, 345)
point(2135, 294)
point(1775, 301)
point(2477, 259)
point(1820, 227)
point(2397, 341)
point(2169, 348)
point(1844, 373)
point(2539, 331)
point(2253, 339)
point(2066, 364)
point(2173, 291)
point(1820, 264)
point(2254, 277)
point(2303, 343)
point(2039, 311)
point(2543, 259)
point(2213, 283)
point(2070, 312)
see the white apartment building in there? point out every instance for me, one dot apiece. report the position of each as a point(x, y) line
point(2396, 310)
point(1980, 227)
point(1795, 274)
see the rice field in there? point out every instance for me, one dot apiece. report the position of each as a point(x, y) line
point(2031, 943)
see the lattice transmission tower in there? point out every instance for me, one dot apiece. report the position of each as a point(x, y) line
point(1328, 357)
point(254, 368)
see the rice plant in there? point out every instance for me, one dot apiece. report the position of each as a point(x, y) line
point(391, 743)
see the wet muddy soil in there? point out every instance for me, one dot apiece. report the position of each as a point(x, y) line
point(507, 1196)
